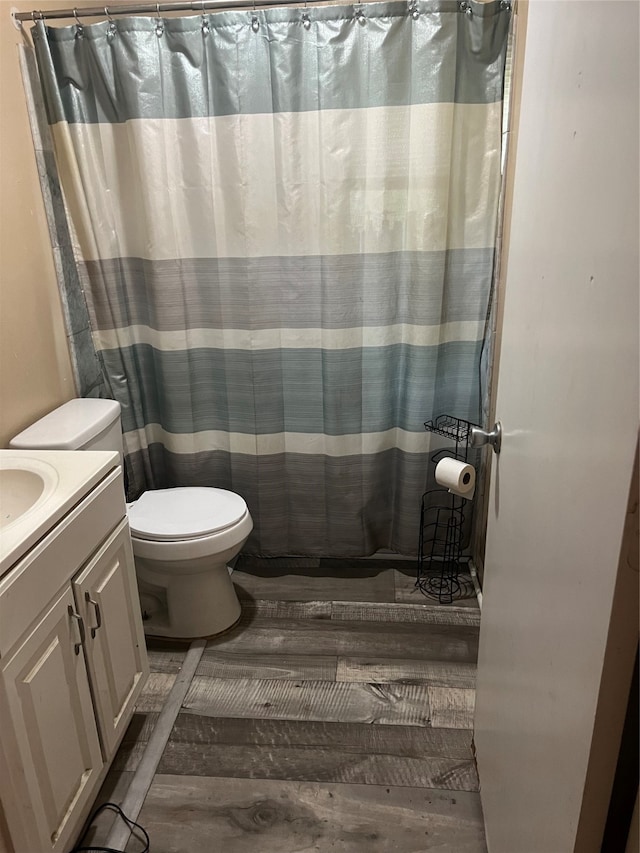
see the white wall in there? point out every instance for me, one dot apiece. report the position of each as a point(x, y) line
point(559, 611)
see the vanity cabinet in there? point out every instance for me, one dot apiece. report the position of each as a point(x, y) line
point(49, 731)
point(68, 683)
point(106, 599)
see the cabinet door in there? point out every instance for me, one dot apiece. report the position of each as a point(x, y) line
point(107, 597)
point(49, 738)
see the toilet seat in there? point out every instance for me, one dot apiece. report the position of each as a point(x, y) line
point(184, 513)
point(179, 550)
point(186, 523)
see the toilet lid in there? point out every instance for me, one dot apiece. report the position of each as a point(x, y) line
point(184, 513)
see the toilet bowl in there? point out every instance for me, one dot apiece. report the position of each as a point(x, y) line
point(183, 538)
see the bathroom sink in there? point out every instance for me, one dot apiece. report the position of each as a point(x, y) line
point(23, 487)
point(38, 488)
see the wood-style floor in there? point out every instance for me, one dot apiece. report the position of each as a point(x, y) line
point(337, 716)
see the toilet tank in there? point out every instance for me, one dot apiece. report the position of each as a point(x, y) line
point(82, 424)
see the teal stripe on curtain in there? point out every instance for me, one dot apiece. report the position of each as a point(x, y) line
point(300, 390)
point(103, 77)
point(287, 242)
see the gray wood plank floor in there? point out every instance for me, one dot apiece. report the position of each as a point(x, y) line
point(337, 716)
point(454, 643)
point(337, 701)
point(208, 814)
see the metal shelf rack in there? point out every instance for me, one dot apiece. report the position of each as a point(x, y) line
point(443, 519)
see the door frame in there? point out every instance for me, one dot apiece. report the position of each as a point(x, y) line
point(503, 230)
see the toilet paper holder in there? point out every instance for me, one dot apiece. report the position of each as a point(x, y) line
point(478, 437)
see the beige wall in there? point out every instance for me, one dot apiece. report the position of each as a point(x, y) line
point(35, 371)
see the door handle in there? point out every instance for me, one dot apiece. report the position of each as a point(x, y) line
point(80, 622)
point(96, 606)
point(480, 437)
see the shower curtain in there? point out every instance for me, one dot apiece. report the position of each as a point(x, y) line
point(285, 223)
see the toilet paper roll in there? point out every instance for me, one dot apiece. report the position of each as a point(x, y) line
point(456, 476)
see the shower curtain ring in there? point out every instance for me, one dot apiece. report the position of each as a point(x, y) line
point(79, 27)
point(159, 22)
point(205, 23)
point(112, 29)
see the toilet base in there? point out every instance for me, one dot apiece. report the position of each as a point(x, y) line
point(196, 600)
point(188, 640)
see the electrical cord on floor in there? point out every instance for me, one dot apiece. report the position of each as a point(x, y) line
point(93, 848)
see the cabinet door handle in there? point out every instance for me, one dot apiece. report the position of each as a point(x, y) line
point(89, 600)
point(78, 618)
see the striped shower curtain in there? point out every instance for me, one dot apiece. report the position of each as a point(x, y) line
point(286, 224)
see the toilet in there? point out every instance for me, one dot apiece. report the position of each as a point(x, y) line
point(183, 538)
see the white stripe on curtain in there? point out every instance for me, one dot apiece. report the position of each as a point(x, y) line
point(371, 180)
point(264, 339)
point(321, 444)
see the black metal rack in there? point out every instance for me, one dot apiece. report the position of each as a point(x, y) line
point(443, 519)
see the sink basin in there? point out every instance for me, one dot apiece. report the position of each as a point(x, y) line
point(23, 487)
point(38, 488)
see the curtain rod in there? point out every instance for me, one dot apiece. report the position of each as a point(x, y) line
point(153, 9)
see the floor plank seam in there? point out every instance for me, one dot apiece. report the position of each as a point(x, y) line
point(143, 778)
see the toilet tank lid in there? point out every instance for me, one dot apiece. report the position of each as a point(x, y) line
point(184, 512)
point(70, 426)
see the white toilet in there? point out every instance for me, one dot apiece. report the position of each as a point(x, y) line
point(182, 538)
